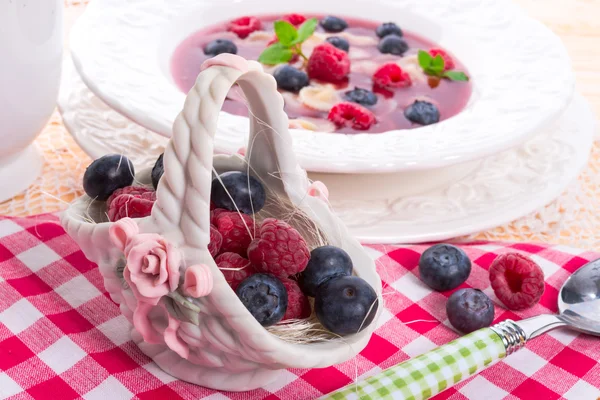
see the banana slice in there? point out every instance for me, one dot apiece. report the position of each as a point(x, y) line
point(260, 36)
point(309, 44)
point(354, 40)
point(299, 123)
point(320, 97)
point(410, 64)
point(313, 124)
point(356, 53)
point(367, 67)
point(292, 103)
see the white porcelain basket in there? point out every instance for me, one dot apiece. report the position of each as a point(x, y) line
point(200, 332)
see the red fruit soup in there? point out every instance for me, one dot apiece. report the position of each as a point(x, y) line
point(385, 91)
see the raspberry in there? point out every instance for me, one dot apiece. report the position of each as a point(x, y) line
point(278, 249)
point(391, 76)
point(214, 214)
point(328, 63)
point(351, 114)
point(130, 201)
point(298, 305)
point(517, 281)
point(235, 268)
point(216, 241)
point(294, 19)
point(448, 61)
point(273, 41)
point(244, 26)
point(235, 231)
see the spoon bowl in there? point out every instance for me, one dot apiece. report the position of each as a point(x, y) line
point(579, 299)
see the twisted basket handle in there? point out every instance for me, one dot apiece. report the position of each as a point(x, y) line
point(183, 197)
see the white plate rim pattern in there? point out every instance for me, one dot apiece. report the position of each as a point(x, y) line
point(116, 55)
point(546, 165)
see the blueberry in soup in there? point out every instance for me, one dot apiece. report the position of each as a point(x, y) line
point(388, 28)
point(393, 44)
point(290, 78)
point(235, 191)
point(422, 113)
point(339, 42)
point(333, 24)
point(335, 73)
point(361, 96)
point(220, 46)
point(107, 174)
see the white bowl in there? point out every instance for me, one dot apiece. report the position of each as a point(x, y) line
point(521, 74)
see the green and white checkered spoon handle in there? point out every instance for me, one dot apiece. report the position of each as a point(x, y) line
point(441, 368)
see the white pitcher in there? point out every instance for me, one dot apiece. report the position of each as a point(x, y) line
point(31, 44)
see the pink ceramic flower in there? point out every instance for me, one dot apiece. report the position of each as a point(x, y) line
point(152, 269)
point(156, 326)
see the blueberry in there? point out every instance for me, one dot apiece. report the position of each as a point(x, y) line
point(388, 28)
point(361, 96)
point(220, 46)
point(422, 112)
point(339, 42)
point(107, 174)
point(290, 78)
point(346, 305)
point(444, 267)
point(157, 171)
point(326, 262)
point(333, 24)
point(247, 192)
point(392, 44)
point(469, 310)
point(265, 297)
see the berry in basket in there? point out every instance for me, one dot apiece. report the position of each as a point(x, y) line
point(236, 191)
point(107, 174)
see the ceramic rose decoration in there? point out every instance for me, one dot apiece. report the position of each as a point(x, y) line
point(152, 272)
point(152, 263)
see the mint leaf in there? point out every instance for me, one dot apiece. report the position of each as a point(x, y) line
point(306, 30)
point(285, 32)
point(275, 54)
point(432, 72)
point(425, 59)
point(456, 76)
point(437, 64)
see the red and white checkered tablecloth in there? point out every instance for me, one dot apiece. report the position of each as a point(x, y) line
point(61, 337)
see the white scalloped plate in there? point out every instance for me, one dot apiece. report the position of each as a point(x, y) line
point(501, 189)
point(520, 71)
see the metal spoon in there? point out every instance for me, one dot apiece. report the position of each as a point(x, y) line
point(441, 368)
